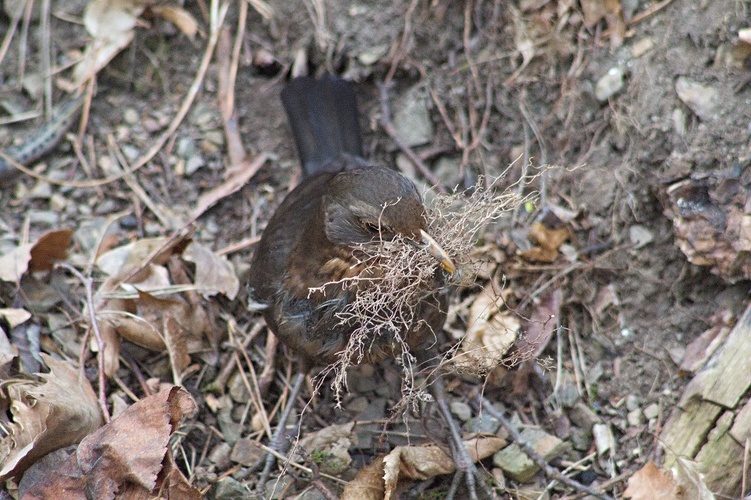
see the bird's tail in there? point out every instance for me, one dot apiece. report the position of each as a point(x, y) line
point(323, 116)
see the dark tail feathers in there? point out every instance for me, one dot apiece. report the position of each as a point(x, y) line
point(323, 116)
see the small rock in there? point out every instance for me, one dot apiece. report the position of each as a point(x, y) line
point(632, 402)
point(703, 100)
point(130, 116)
point(652, 411)
point(131, 152)
point(462, 410)
point(194, 163)
point(581, 439)
point(42, 190)
point(186, 147)
point(376, 410)
point(517, 465)
point(679, 122)
point(604, 440)
point(279, 488)
point(246, 452)
point(358, 405)
point(412, 120)
point(639, 235)
point(610, 84)
point(642, 46)
point(43, 217)
point(635, 418)
point(372, 55)
point(483, 423)
point(220, 453)
point(229, 489)
point(311, 494)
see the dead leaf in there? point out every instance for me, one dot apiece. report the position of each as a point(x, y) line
point(178, 16)
point(548, 242)
point(57, 409)
point(214, 273)
point(15, 263)
point(128, 457)
point(691, 485)
point(368, 484)
point(38, 256)
point(651, 483)
point(125, 259)
point(542, 323)
point(8, 353)
point(423, 462)
point(237, 179)
point(111, 23)
point(14, 316)
point(491, 331)
point(50, 247)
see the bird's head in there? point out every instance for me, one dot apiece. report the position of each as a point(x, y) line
point(371, 203)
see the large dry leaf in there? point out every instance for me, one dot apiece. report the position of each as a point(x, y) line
point(178, 16)
point(14, 316)
point(542, 323)
point(123, 260)
point(547, 241)
point(38, 256)
point(214, 273)
point(111, 23)
point(368, 484)
point(238, 178)
point(56, 410)
point(491, 331)
point(651, 483)
point(128, 457)
point(424, 462)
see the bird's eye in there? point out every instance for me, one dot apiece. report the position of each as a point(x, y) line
point(373, 228)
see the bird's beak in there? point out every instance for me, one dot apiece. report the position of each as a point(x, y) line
point(434, 249)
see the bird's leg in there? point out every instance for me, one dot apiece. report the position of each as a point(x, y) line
point(462, 461)
point(278, 438)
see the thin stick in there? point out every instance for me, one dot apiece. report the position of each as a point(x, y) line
point(94, 324)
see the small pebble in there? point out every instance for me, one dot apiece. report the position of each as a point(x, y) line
point(635, 418)
point(610, 84)
point(703, 100)
point(483, 423)
point(131, 116)
point(462, 410)
point(632, 402)
point(652, 411)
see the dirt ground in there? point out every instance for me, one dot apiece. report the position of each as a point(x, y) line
point(482, 88)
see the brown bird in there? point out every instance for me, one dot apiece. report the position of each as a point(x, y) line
point(343, 201)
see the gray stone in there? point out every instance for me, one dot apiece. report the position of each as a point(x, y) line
point(246, 452)
point(652, 411)
point(237, 388)
point(610, 84)
point(632, 402)
point(483, 423)
point(462, 410)
point(703, 100)
point(517, 465)
point(229, 489)
point(635, 418)
point(412, 120)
